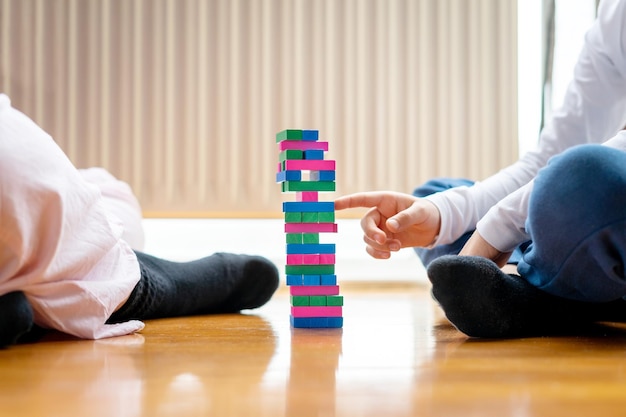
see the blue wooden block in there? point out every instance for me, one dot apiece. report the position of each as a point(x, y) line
point(320, 322)
point(313, 154)
point(310, 248)
point(310, 135)
point(316, 322)
point(300, 322)
point(288, 176)
point(322, 176)
point(308, 322)
point(312, 279)
point(308, 206)
point(334, 322)
point(328, 279)
point(295, 280)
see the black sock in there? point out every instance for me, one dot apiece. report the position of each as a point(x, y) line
point(220, 283)
point(16, 317)
point(482, 301)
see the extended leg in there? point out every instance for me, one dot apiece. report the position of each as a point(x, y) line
point(220, 283)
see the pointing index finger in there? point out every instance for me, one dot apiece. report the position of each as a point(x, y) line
point(357, 200)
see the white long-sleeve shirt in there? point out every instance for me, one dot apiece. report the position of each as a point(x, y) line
point(593, 111)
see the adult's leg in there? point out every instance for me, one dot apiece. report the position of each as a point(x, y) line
point(220, 283)
point(577, 220)
point(571, 273)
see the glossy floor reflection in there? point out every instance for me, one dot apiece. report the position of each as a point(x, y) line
point(395, 356)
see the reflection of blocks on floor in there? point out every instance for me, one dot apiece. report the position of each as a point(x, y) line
point(310, 265)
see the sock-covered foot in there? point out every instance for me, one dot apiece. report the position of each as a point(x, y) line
point(220, 283)
point(482, 301)
point(16, 317)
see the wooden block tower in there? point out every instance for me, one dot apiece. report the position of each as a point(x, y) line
point(310, 265)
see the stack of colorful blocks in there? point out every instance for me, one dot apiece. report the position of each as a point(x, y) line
point(310, 268)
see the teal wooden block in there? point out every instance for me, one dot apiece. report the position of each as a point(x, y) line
point(308, 186)
point(311, 218)
point(334, 300)
point(289, 134)
point(290, 154)
point(309, 269)
point(294, 238)
point(293, 217)
point(326, 217)
point(300, 300)
point(310, 238)
point(317, 300)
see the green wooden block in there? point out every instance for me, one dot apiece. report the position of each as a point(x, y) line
point(296, 238)
point(317, 300)
point(290, 154)
point(310, 217)
point(289, 134)
point(311, 238)
point(308, 186)
point(334, 300)
point(300, 300)
point(309, 269)
point(293, 217)
point(326, 217)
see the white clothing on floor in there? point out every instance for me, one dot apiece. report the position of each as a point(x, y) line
point(59, 241)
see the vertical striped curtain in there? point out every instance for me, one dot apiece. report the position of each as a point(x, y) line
point(182, 98)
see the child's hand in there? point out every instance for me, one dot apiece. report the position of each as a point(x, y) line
point(394, 221)
point(478, 246)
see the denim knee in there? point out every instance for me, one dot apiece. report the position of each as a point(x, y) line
point(576, 220)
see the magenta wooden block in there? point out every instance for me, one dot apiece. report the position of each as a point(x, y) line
point(304, 165)
point(334, 311)
point(314, 290)
point(327, 259)
point(307, 196)
point(310, 227)
point(311, 259)
point(302, 145)
point(295, 259)
point(303, 259)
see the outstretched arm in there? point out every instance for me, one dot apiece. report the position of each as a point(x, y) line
point(394, 221)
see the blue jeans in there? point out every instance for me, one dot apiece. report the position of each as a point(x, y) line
point(577, 224)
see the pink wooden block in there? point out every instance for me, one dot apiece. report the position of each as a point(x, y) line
point(306, 196)
point(314, 290)
point(314, 311)
point(295, 259)
point(310, 227)
point(303, 259)
point(327, 259)
point(301, 145)
point(309, 165)
point(310, 259)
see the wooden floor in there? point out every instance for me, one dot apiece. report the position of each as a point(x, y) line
point(395, 356)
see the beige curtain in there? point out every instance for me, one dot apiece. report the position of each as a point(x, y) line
point(182, 98)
